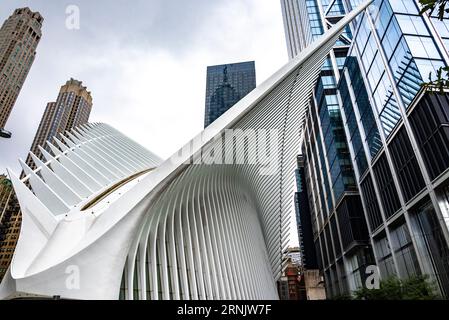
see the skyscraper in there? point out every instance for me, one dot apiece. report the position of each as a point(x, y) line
point(226, 85)
point(10, 221)
point(376, 138)
point(297, 25)
point(19, 36)
point(71, 109)
point(338, 228)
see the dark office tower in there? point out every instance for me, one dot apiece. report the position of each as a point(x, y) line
point(371, 118)
point(226, 85)
point(71, 109)
point(19, 37)
point(303, 219)
point(337, 225)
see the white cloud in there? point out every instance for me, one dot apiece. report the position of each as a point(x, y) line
point(140, 83)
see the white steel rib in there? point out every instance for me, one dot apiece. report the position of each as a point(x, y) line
point(104, 218)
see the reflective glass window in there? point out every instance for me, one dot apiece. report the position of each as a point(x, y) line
point(422, 47)
point(412, 25)
point(404, 6)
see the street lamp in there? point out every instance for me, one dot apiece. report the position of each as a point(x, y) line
point(5, 134)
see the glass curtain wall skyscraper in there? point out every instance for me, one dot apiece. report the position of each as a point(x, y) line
point(397, 143)
point(226, 85)
point(339, 229)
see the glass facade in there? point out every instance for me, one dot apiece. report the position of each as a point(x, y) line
point(385, 261)
point(430, 125)
point(338, 225)
point(431, 244)
point(402, 246)
point(372, 129)
point(397, 51)
point(226, 85)
point(396, 136)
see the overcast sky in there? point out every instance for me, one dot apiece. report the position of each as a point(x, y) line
point(144, 62)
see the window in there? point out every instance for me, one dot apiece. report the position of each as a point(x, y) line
point(328, 81)
point(351, 221)
point(402, 246)
point(372, 207)
point(428, 68)
point(406, 165)
point(335, 236)
point(364, 105)
point(431, 245)
point(390, 41)
point(422, 47)
point(404, 6)
point(430, 124)
point(387, 189)
point(385, 257)
point(412, 25)
point(383, 18)
point(376, 71)
point(442, 27)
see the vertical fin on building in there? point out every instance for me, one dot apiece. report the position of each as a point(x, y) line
point(46, 195)
point(55, 183)
point(67, 175)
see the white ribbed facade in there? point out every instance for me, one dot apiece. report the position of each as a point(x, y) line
point(297, 27)
point(104, 218)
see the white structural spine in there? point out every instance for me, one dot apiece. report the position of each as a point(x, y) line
point(103, 218)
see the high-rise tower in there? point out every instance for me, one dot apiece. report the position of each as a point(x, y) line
point(71, 109)
point(19, 37)
point(338, 229)
point(376, 147)
point(226, 85)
